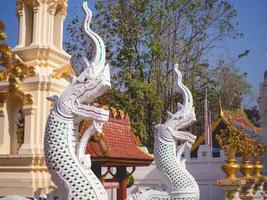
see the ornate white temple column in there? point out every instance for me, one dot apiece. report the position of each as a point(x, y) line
point(41, 33)
point(36, 25)
point(40, 46)
point(58, 38)
point(28, 147)
point(51, 25)
point(21, 27)
point(4, 137)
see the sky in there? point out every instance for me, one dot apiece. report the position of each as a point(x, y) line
point(252, 18)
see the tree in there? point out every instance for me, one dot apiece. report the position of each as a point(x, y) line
point(144, 38)
point(231, 84)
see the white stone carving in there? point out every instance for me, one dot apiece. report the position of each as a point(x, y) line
point(66, 160)
point(168, 154)
point(70, 169)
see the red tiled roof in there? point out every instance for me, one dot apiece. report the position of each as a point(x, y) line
point(118, 144)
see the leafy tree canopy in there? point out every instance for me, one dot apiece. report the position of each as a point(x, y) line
point(144, 38)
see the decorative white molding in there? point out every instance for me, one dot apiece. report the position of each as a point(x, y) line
point(41, 27)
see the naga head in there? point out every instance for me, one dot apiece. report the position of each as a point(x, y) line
point(185, 114)
point(78, 98)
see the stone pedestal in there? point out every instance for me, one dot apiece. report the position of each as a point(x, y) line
point(248, 189)
point(258, 190)
point(23, 171)
point(231, 187)
point(25, 175)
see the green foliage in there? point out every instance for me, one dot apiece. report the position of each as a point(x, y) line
point(144, 38)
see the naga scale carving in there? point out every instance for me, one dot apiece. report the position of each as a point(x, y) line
point(168, 154)
point(67, 162)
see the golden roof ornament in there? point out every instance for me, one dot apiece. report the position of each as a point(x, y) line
point(226, 117)
point(12, 69)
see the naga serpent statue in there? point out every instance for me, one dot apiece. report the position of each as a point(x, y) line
point(168, 153)
point(66, 161)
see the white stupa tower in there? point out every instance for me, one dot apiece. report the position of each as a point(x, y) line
point(23, 117)
point(262, 101)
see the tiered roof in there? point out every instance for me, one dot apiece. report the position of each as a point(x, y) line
point(240, 120)
point(117, 146)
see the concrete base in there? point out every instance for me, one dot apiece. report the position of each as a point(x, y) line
point(25, 175)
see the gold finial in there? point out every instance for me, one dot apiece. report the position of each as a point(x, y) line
point(122, 114)
point(258, 150)
point(229, 140)
point(246, 148)
point(98, 136)
point(113, 112)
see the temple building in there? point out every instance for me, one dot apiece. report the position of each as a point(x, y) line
point(114, 152)
point(24, 111)
point(240, 120)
